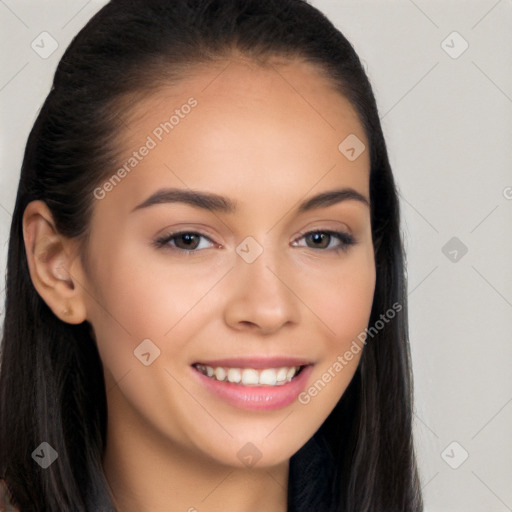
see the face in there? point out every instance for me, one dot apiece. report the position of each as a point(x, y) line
point(208, 259)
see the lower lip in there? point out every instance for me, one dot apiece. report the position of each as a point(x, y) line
point(257, 398)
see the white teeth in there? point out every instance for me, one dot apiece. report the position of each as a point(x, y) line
point(234, 375)
point(250, 376)
point(268, 377)
point(281, 374)
point(220, 373)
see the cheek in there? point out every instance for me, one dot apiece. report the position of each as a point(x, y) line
point(342, 297)
point(344, 305)
point(135, 301)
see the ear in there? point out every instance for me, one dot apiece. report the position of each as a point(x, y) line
point(54, 264)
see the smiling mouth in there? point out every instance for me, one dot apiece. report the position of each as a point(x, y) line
point(250, 376)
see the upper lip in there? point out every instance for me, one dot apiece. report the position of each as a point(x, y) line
point(255, 362)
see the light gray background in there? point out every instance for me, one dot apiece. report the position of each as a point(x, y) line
point(447, 119)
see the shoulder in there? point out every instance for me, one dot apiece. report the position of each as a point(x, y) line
point(6, 499)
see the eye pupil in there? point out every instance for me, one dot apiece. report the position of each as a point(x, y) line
point(320, 237)
point(188, 238)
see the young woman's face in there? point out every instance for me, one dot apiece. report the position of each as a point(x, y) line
point(208, 254)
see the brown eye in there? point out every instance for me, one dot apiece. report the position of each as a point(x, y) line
point(325, 239)
point(185, 241)
point(319, 239)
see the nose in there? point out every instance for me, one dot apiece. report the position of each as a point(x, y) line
point(262, 297)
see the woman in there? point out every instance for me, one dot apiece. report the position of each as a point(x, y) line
point(206, 300)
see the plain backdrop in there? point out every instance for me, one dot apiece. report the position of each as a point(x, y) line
point(442, 78)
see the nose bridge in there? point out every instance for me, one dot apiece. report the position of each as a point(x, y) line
point(261, 272)
point(261, 294)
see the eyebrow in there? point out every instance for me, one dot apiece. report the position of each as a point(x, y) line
point(216, 203)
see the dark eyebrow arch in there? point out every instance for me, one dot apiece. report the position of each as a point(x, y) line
point(331, 197)
point(216, 203)
point(204, 200)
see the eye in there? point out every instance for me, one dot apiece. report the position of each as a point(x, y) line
point(190, 241)
point(324, 240)
point(184, 241)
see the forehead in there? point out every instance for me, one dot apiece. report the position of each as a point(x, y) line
point(240, 126)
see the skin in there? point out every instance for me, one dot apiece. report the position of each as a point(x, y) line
point(267, 137)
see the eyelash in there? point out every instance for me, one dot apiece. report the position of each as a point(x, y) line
point(346, 240)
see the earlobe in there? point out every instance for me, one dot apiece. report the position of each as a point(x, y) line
point(50, 257)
